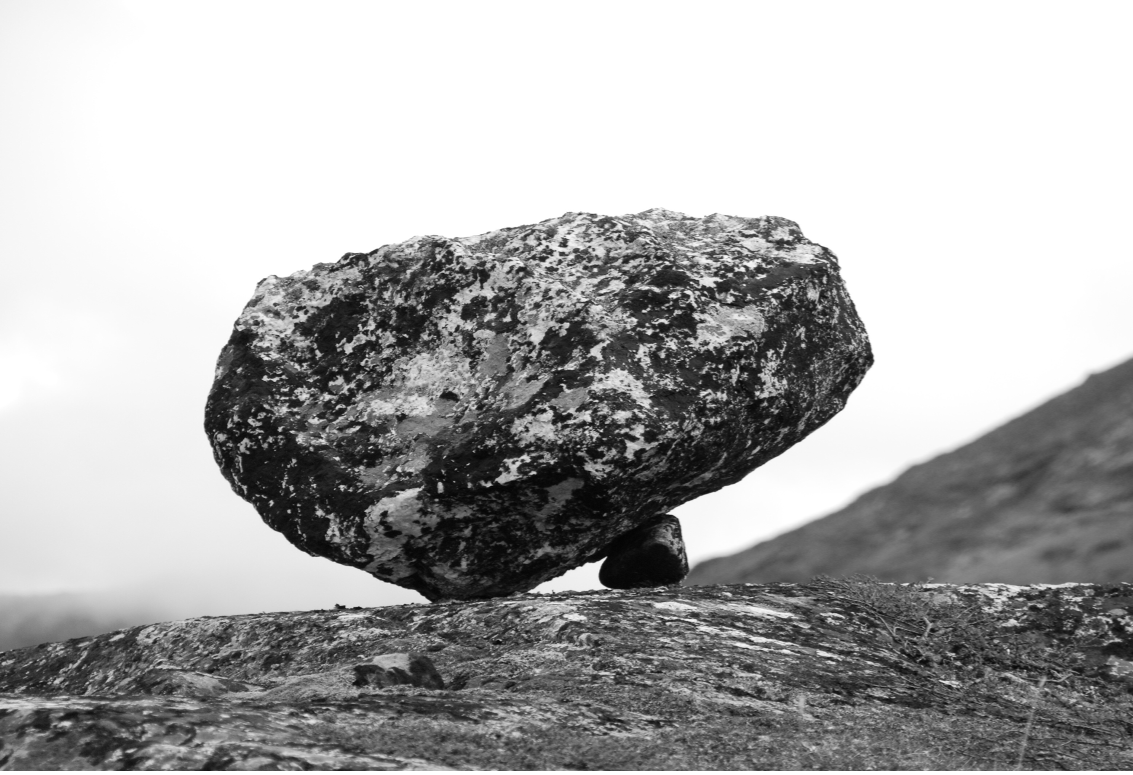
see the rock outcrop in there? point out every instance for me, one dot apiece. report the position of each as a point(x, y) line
point(829, 675)
point(1046, 498)
point(471, 417)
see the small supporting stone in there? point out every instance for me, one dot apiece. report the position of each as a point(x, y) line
point(650, 555)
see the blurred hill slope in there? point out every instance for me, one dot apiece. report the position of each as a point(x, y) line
point(26, 620)
point(1045, 498)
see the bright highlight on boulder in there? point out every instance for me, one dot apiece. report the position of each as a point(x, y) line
point(471, 417)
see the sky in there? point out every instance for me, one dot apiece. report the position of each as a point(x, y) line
point(968, 162)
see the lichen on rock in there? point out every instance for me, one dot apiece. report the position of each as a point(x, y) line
point(470, 417)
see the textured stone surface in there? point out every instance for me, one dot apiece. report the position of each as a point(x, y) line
point(398, 670)
point(650, 555)
point(747, 672)
point(470, 417)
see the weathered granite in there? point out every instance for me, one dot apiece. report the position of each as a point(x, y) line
point(471, 417)
point(672, 678)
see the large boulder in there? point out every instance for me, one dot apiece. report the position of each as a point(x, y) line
point(471, 417)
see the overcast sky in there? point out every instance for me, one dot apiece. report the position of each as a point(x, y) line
point(968, 162)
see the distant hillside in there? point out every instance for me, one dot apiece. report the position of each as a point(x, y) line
point(1046, 498)
point(26, 620)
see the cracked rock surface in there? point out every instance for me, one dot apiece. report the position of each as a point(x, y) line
point(696, 677)
point(471, 417)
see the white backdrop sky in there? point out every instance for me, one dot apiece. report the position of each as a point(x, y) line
point(969, 163)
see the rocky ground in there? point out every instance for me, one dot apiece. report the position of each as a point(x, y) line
point(829, 674)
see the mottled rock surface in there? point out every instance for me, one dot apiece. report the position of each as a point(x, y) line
point(397, 670)
point(1044, 498)
point(828, 675)
point(471, 417)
